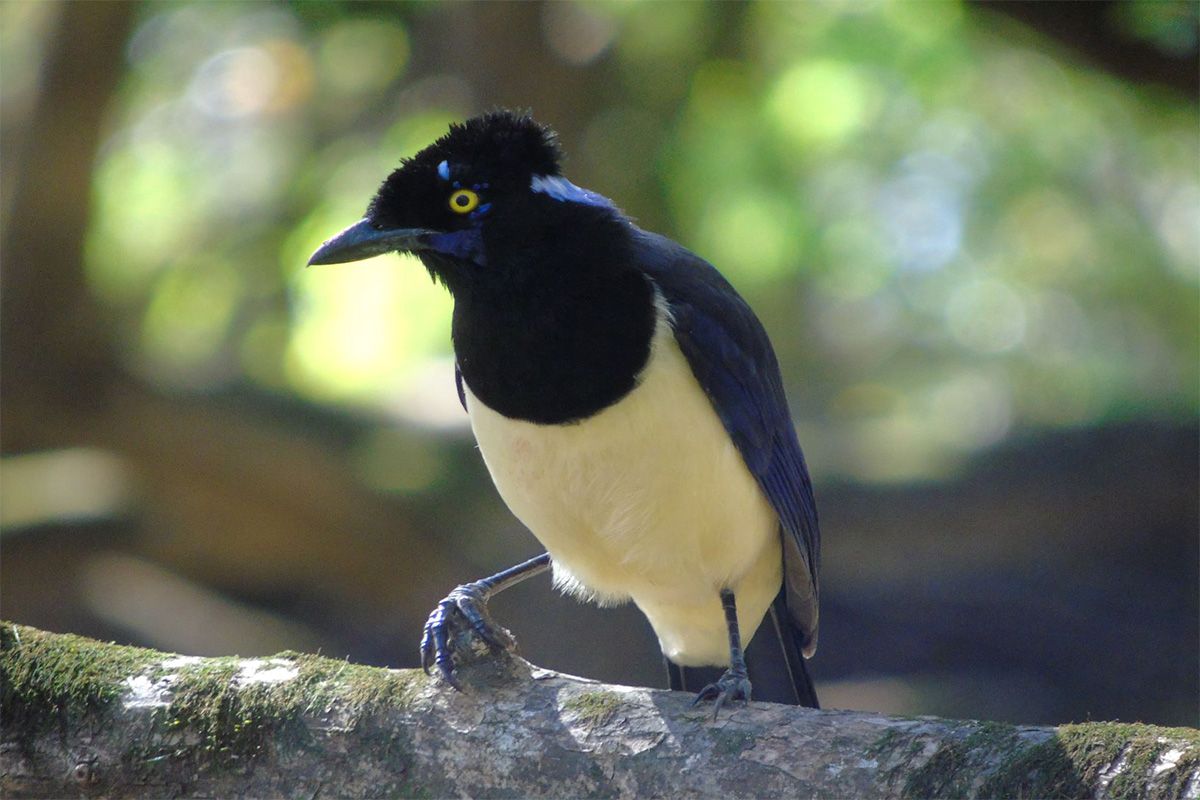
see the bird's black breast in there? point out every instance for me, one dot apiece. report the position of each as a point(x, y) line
point(560, 351)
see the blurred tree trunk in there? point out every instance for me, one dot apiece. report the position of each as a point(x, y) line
point(228, 491)
point(497, 47)
point(1096, 31)
point(57, 356)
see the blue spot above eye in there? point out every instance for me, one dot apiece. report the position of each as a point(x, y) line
point(443, 170)
point(561, 189)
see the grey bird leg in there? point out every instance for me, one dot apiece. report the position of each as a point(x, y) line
point(469, 601)
point(735, 683)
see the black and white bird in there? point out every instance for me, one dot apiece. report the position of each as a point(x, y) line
point(627, 403)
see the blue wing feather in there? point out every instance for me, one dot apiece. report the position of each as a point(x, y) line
point(733, 361)
point(458, 384)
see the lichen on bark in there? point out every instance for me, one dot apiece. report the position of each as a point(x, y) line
point(126, 722)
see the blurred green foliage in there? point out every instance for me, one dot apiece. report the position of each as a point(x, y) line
point(951, 235)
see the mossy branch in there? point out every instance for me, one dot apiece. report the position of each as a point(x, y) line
point(83, 718)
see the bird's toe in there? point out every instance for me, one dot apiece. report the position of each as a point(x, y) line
point(734, 685)
point(450, 626)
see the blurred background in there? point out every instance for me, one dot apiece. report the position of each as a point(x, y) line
point(973, 232)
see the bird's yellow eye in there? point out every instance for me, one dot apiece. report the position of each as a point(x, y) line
point(464, 201)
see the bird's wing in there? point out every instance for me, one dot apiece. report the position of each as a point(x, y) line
point(458, 384)
point(733, 361)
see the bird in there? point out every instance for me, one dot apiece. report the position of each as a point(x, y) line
point(627, 403)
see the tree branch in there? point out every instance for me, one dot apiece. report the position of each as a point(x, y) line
point(86, 718)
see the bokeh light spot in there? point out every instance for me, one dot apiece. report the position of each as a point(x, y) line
point(820, 102)
point(359, 56)
point(748, 235)
point(361, 327)
point(235, 83)
point(577, 33)
point(972, 409)
point(188, 319)
point(986, 316)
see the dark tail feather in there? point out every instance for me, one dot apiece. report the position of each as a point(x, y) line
point(773, 659)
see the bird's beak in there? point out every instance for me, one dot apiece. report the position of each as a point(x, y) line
point(363, 240)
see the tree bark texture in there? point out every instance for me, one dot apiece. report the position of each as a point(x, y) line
point(87, 719)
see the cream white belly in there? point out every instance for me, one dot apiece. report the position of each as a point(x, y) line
point(648, 500)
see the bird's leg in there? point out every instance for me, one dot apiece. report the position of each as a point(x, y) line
point(735, 683)
point(469, 602)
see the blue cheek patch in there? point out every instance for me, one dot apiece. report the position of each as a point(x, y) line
point(465, 244)
point(562, 190)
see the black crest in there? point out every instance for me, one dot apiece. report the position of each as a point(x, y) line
point(502, 139)
point(503, 148)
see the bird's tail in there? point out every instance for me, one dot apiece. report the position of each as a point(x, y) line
point(773, 660)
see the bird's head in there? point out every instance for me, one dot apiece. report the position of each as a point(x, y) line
point(472, 202)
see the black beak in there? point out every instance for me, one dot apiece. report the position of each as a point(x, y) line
point(363, 240)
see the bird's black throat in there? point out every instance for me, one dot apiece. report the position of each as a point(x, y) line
point(561, 346)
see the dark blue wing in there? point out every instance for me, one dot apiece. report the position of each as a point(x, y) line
point(458, 384)
point(733, 361)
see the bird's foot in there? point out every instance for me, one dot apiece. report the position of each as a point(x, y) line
point(733, 685)
point(460, 614)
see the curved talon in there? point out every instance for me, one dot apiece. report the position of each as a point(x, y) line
point(488, 631)
point(469, 603)
point(426, 646)
point(732, 686)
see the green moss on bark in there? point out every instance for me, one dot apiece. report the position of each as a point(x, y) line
point(951, 770)
point(594, 708)
point(223, 709)
point(50, 679)
point(1071, 762)
point(237, 716)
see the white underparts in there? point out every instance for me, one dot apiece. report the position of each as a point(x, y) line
point(648, 501)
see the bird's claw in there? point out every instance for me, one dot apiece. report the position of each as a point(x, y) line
point(464, 609)
point(733, 685)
